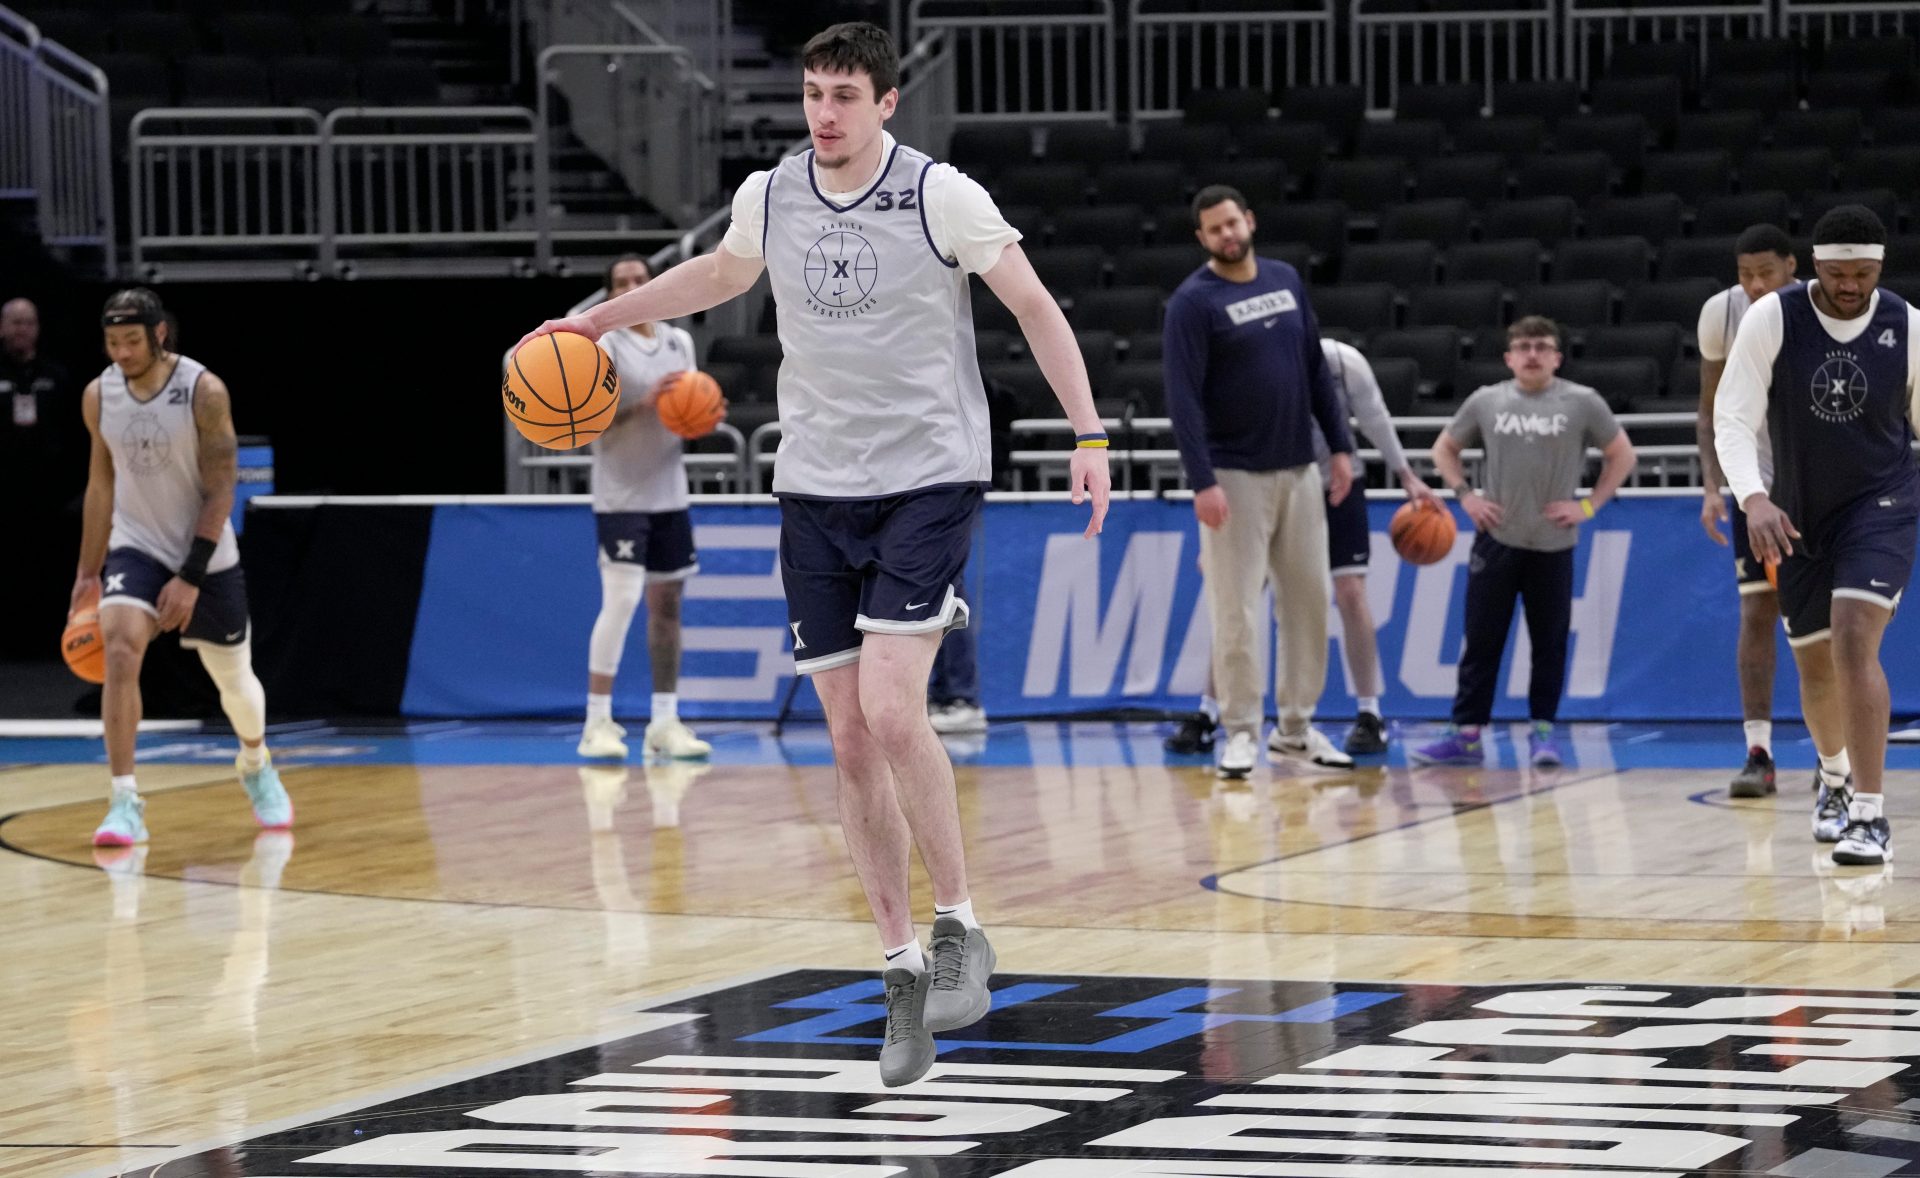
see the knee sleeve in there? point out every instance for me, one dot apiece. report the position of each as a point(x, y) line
point(242, 697)
point(621, 587)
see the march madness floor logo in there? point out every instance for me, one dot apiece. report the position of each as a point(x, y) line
point(1099, 1077)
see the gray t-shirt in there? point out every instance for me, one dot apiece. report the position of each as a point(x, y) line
point(1536, 446)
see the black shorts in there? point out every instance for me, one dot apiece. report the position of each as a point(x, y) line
point(873, 566)
point(1749, 571)
point(1864, 552)
point(659, 541)
point(131, 577)
point(1349, 539)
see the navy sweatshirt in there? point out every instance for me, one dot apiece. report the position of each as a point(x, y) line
point(1245, 377)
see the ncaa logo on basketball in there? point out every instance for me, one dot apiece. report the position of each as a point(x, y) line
point(1839, 389)
point(841, 269)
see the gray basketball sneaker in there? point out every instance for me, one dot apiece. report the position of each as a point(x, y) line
point(907, 1051)
point(960, 961)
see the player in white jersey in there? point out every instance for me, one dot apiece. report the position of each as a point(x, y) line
point(1764, 255)
point(883, 461)
point(157, 548)
point(645, 532)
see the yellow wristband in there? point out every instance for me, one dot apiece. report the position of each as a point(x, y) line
point(1586, 505)
point(1090, 443)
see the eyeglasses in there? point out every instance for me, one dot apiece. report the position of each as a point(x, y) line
point(1545, 347)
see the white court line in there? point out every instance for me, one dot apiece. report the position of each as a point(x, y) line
point(86, 727)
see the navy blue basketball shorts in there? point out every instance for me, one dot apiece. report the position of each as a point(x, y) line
point(1864, 552)
point(1749, 571)
point(1349, 540)
point(873, 566)
point(659, 541)
point(131, 577)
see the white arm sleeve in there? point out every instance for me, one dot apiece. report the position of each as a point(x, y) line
point(749, 226)
point(964, 223)
point(1740, 406)
point(1369, 407)
point(1712, 329)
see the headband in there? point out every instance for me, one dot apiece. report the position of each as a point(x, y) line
point(1835, 251)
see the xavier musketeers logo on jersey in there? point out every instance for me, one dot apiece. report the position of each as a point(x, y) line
point(1839, 389)
point(147, 445)
point(1261, 306)
point(841, 270)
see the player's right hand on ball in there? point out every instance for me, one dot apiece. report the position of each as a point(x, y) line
point(86, 592)
point(577, 324)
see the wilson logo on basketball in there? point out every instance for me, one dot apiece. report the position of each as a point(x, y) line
point(512, 398)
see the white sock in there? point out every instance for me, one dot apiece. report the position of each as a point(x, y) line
point(599, 707)
point(124, 785)
point(962, 912)
point(1210, 707)
point(1760, 735)
point(907, 956)
point(1865, 807)
point(253, 757)
point(666, 706)
point(1835, 768)
point(1370, 704)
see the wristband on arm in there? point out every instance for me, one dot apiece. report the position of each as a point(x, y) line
point(194, 570)
point(1090, 441)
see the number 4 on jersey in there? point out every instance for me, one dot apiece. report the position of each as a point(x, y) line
point(1887, 340)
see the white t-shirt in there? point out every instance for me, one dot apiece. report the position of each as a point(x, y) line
point(962, 220)
point(1720, 318)
point(638, 463)
point(1740, 406)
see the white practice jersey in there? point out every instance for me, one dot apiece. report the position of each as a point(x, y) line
point(638, 463)
point(1720, 318)
point(157, 489)
point(879, 389)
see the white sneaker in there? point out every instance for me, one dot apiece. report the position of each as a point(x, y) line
point(958, 716)
point(602, 740)
point(1311, 746)
point(1236, 759)
point(671, 738)
point(1830, 803)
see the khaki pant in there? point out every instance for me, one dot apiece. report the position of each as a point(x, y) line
point(1276, 530)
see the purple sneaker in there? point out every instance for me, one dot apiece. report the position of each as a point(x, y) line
point(1459, 747)
point(1542, 749)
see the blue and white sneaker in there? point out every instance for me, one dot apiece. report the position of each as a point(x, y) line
point(1830, 804)
point(125, 823)
point(1866, 842)
point(1543, 748)
point(272, 808)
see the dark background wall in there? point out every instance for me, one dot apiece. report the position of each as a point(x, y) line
point(377, 387)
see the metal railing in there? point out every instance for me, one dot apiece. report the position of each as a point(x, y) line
point(1593, 31)
point(54, 140)
point(1824, 20)
point(1051, 59)
point(19, 87)
point(1176, 52)
point(1391, 49)
point(658, 126)
point(534, 471)
point(426, 177)
point(252, 184)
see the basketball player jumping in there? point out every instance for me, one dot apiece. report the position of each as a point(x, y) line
point(646, 533)
point(882, 466)
point(1827, 369)
point(158, 516)
point(1765, 259)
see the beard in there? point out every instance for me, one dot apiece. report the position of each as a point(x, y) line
point(1232, 252)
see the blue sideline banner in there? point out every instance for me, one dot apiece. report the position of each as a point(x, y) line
point(1070, 625)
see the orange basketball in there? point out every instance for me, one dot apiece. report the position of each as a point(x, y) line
point(560, 390)
point(690, 404)
point(1422, 531)
point(83, 647)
